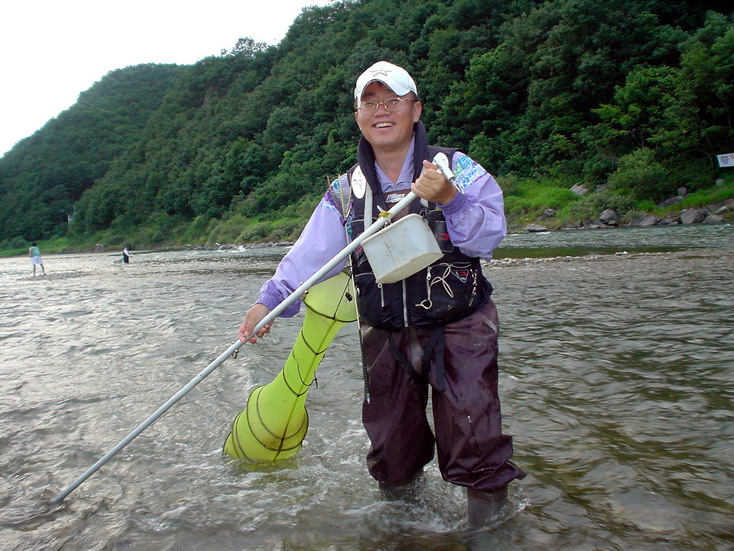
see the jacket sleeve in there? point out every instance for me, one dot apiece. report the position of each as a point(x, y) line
point(475, 218)
point(321, 240)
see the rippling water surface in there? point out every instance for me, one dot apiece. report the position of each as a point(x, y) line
point(616, 380)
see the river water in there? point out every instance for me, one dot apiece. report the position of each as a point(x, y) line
point(617, 360)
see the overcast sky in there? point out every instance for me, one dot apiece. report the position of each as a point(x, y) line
point(52, 50)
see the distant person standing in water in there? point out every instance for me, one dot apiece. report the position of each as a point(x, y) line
point(126, 256)
point(35, 254)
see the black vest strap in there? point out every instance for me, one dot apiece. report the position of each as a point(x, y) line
point(417, 377)
point(435, 348)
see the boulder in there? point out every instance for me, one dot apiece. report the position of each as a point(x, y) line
point(609, 217)
point(693, 216)
point(100, 248)
point(579, 189)
point(535, 228)
point(644, 221)
point(713, 219)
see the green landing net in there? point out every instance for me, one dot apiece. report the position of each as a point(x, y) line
point(275, 421)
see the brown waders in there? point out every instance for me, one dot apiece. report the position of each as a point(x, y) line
point(461, 368)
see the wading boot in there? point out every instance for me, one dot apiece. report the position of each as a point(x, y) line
point(484, 507)
point(403, 490)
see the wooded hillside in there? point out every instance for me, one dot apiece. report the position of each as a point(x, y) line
point(636, 94)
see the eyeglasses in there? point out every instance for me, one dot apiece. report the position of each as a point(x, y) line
point(391, 105)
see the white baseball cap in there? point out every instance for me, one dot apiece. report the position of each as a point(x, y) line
point(394, 77)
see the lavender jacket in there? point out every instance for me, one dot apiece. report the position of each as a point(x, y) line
point(475, 220)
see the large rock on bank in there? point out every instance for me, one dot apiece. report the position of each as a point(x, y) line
point(693, 216)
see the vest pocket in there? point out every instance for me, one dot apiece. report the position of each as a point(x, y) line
point(437, 223)
point(370, 298)
point(452, 288)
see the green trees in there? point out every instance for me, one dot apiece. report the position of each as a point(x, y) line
point(677, 117)
point(703, 98)
point(638, 94)
point(44, 176)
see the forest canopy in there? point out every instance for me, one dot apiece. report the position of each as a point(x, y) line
point(635, 95)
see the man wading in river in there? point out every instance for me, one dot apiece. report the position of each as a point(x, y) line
point(435, 329)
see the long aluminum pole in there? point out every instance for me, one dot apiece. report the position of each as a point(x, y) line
point(295, 295)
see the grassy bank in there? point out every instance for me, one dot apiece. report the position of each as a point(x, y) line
point(552, 203)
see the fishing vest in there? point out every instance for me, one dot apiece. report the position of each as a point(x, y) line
point(446, 291)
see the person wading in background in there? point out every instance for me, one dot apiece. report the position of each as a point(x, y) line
point(433, 331)
point(35, 253)
point(126, 256)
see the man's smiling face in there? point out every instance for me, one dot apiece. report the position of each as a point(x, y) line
point(385, 130)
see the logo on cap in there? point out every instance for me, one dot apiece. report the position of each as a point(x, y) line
point(394, 77)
